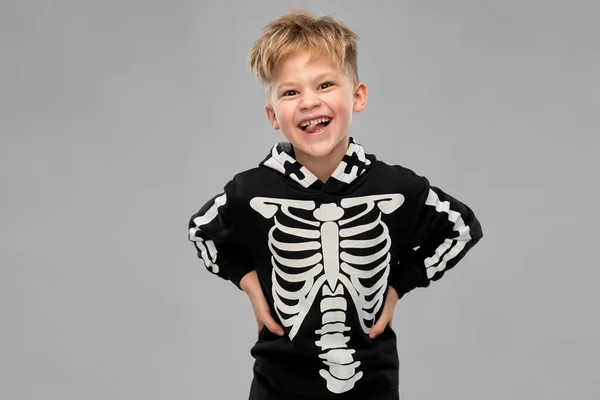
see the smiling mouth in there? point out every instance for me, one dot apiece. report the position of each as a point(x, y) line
point(314, 127)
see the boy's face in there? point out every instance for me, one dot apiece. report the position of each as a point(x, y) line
point(303, 90)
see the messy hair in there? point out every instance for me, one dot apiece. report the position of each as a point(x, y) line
point(301, 30)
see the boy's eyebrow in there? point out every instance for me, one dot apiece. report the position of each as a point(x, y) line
point(316, 78)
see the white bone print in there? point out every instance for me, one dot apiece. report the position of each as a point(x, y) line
point(324, 262)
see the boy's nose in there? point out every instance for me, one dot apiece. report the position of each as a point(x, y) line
point(309, 101)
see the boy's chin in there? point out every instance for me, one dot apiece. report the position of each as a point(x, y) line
point(314, 153)
point(318, 149)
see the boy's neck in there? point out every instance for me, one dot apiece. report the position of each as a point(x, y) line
point(323, 167)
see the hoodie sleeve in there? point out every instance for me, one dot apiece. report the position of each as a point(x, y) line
point(442, 230)
point(214, 232)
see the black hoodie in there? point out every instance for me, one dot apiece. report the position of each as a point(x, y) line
point(325, 254)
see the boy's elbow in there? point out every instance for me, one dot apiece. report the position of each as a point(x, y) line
point(476, 230)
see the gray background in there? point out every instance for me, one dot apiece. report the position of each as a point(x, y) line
point(119, 119)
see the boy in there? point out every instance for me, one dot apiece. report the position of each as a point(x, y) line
point(323, 237)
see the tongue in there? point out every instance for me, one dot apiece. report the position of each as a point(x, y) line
point(314, 127)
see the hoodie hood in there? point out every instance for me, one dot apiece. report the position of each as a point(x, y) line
point(355, 163)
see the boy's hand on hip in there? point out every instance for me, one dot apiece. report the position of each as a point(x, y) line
point(386, 315)
point(250, 284)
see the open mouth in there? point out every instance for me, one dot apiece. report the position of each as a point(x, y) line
point(315, 125)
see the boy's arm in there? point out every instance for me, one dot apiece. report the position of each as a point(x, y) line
point(442, 230)
point(213, 232)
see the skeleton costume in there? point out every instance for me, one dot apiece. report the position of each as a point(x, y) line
point(325, 254)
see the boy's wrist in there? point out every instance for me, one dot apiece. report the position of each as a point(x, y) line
point(248, 282)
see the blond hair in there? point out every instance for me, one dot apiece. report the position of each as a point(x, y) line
point(302, 30)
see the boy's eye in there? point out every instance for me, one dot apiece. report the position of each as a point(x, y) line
point(293, 92)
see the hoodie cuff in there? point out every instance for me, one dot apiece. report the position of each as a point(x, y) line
point(236, 275)
point(408, 274)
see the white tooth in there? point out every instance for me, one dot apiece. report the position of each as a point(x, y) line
point(314, 121)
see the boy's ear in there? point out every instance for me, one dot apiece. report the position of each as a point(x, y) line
point(361, 94)
point(272, 117)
